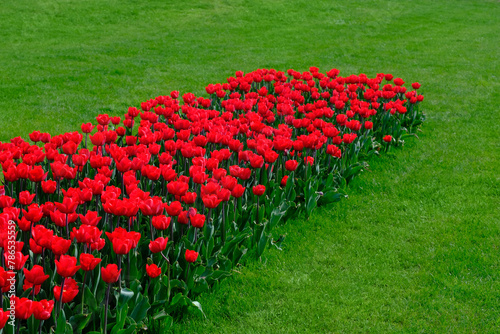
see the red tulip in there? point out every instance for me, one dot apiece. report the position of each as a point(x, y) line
point(23, 308)
point(259, 190)
point(42, 309)
point(37, 174)
point(87, 127)
point(161, 222)
point(49, 187)
point(70, 148)
point(35, 276)
point(59, 246)
point(25, 198)
point(19, 260)
point(70, 290)
point(34, 213)
point(387, 138)
point(152, 206)
point(158, 245)
point(68, 205)
point(174, 209)
point(66, 266)
point(4, 317)
point(6, 201)
point(110, 273)
point(191, 255)
point(284, 180)
point(90, 218)
point(88, 262)
point(153, 271)
point(291, 165)
point(198, 220)
point(238, 191)
point(211, 201)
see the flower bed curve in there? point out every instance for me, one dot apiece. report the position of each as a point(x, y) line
point(135, 217)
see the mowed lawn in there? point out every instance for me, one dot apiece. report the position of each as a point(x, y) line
point(415, 247)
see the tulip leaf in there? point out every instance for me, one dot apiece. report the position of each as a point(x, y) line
point(278, 213)
point(121, 316)
point(128, 330)
point(61, 323)
point(79, 321)
point(90, 300)
point(123, 297)
point(141, 308)
point(195, 307)
point(330, 197)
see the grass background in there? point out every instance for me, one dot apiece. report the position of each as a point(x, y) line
point(416, 246)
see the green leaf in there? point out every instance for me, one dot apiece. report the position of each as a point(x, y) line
point(278, 213)
point(79, 321)
point(331, 197)
point(90, 300)
point(196, 307)
point(128, 330)
point(160, 315)
point(61, 323)
point(141, 308)
point(121, 316)
point(123, 297)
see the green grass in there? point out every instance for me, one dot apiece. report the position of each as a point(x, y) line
point(416, 246)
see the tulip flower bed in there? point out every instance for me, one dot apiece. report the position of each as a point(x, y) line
point(119, 230)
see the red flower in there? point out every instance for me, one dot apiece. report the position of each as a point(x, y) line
point(90, 218)
point(333, 151)
point(68, 205)
point(42, 309)
point(153, 271)
point(110, 273)
point(70, 148)
point(6, 201)
point(161, 222)
point(34, 213)
point(87, 127)
point(70, 290)
point(174, 209)
point(256, 161)
point(211, 201)
point(399, 82)
point(4, 317)
point(86, 234)
point(259, 190)
point(123, 241)
point(158, 245)
point(284, 180)
point(291, 165)
point(88, 262)
point(191, 255)
point(25, 198)
point(42, 236)
point(238, 191)
point(23, 307)
point(198, 220)
point(103, 119)
point(415, 85)
point(66, 266)
point(152, 206)
point(35, 276)
point(59, 246)
point(49, 187)
point(19, 260)
point(387, 138)
point(37, 174)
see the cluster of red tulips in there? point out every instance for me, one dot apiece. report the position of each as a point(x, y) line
point(121, 226)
